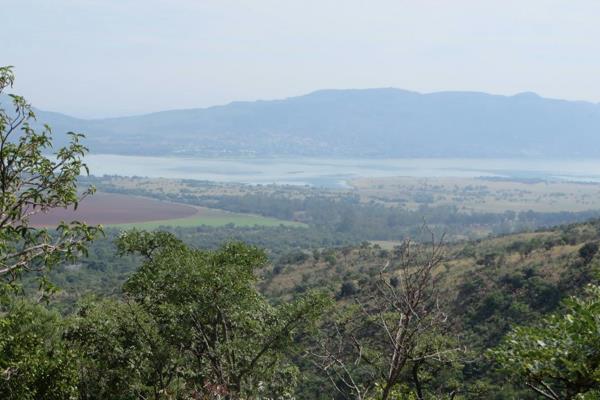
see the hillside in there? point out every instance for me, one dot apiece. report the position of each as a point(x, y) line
point(371, 122)
point(533, 268)
point(548, 256)
point(487, 287)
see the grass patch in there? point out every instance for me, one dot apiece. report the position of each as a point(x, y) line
point(215, 218)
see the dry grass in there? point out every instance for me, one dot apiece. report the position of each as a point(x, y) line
point(481, 195)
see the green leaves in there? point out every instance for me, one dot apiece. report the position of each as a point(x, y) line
point(224, 336)
point(32, 182)
point(7, 76)
point(34, 362)
point(121, 352)
point(560, 357)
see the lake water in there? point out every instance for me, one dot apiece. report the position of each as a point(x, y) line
point(334, 172)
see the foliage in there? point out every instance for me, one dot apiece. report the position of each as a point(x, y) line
point(34, 361)
point(588, 251)
point(206, 303)
point(121, 352)
point(482, 302)
point(32, 182)
point(559, 358)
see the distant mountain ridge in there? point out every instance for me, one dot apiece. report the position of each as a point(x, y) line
point(356, 123)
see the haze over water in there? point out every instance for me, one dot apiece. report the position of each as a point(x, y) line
point(334, 172)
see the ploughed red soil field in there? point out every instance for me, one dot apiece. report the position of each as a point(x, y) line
point(109, 208)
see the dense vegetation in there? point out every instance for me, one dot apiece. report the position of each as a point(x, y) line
point(485, 288)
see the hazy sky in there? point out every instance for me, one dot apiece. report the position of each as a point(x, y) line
point(117, 57)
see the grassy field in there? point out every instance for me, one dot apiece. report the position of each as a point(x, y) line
point(210, 217)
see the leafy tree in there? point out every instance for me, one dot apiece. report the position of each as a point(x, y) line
point(32, 182)
point(35, 362)
point(348, 289)
point(588, 251)
point(560, 357)
point(122, 354)
point(235, 343)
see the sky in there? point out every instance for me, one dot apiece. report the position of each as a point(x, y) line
point(98, 58)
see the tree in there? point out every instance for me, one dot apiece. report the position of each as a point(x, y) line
point(393, 336)
point(588, 251)
point(348, 289)
point(559, 358)
point(206, 303)
point(121, 353)
point(32, 182)
point(35, 363)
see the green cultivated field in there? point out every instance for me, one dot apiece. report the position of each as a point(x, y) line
point(211, 217)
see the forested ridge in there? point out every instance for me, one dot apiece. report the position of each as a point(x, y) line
point(486, 287)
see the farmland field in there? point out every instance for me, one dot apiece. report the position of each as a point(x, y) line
point(121, 210)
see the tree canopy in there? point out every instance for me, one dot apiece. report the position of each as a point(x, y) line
point(198, 323)
point(35, 178)
point(559, 358)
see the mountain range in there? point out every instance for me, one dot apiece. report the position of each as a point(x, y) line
point(355, 123)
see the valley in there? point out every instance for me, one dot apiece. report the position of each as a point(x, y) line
point(300, 200)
